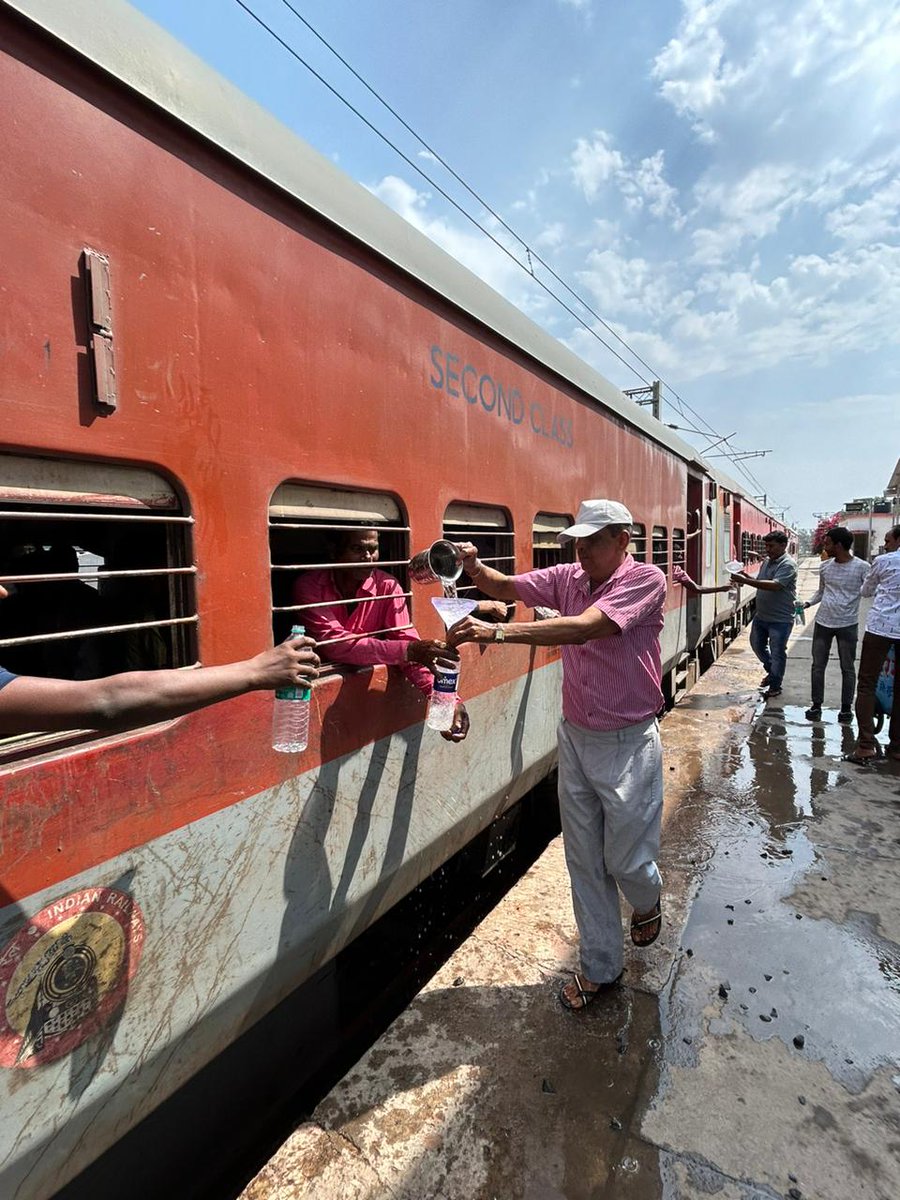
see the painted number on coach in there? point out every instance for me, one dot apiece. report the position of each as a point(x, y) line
point(460, 379)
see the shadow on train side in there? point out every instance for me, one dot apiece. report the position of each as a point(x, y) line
point(313, 898)
point(224, 1124)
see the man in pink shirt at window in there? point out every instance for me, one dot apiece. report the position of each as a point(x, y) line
point(361, 618)
point(610, 757)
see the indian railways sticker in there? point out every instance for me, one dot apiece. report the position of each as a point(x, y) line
point(65, 973)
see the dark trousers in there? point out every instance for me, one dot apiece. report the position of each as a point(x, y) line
point(846, 638)
point(768, 641)
point(871, 660)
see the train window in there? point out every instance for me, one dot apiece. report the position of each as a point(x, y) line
point(492, 532)
point(312, 524)
point(637, 547)
point(97, 559)
point(661, 548)
point(679, 547)
point(709, 535)
point(746, 548)
point(546, 550)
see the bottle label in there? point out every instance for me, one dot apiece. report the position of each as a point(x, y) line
point(293, 693)
point(446, 681)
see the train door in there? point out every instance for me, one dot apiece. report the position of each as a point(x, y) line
point(695, 556)
point(737, 532)
point(727, 547)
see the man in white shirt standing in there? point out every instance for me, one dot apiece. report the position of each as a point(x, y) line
point(882, 632)
point(841, 577)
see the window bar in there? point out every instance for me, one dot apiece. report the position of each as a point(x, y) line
point(9, 514)
point(82, 575)
point(181, 595)
point(276, 524)
point(68, 634)
point(348, 566)
point(336, 603)
point(352, 637)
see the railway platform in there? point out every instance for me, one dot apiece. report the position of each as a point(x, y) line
point(751, 1053)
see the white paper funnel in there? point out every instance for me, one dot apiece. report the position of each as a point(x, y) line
point(452, 609)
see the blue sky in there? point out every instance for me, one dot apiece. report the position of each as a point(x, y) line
point(718, 179)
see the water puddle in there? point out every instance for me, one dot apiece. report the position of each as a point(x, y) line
point(751, 958)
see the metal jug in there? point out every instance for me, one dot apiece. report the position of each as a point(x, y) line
point(437, 564)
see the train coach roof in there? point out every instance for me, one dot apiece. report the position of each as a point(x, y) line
point(142, 56)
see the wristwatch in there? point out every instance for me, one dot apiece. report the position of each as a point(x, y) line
point(499, 633)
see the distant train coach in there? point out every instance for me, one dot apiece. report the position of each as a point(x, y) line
point(219, 354)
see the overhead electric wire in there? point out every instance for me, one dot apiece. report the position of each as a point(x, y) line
point(681, 403)
point(433, 183)
point(531, 253)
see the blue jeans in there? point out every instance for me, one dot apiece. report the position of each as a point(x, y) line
point(768, 640)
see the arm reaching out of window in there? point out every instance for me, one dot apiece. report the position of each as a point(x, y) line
point(29, 704)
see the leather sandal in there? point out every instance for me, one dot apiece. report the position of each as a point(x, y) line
point(586, 995)
point(654, 918)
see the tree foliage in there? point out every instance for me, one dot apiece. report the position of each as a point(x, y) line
point(818, 537)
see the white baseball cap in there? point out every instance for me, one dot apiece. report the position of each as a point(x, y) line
point(594, 515)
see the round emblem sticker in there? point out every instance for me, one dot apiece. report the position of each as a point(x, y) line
point(65, 973)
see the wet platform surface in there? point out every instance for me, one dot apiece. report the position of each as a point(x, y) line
point(751, 1053)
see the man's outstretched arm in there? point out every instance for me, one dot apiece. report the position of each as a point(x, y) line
point(29, 704)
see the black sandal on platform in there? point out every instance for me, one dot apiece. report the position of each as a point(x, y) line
point(655, 918)
point(585, 995)
point(860, 760)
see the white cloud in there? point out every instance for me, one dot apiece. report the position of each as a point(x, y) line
point(645, 185)
point(594, 162)
point(641, 184)
point(817, 309)
point(605, 234)
point(471, 248)
point(691, 69)
point(771, 67)
point(621, 285)
point(552, 236)
point(750, 206)
point(875, 219)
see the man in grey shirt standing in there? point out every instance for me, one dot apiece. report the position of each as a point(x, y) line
point(776, 586)
point(840, 578)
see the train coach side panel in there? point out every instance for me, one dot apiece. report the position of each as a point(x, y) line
point(185, 876)
point(293, 354)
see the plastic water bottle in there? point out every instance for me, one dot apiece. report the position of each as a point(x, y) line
point(799, 613)
point(442, 704)
point(290, 716)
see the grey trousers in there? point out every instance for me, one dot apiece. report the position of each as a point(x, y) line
point(610, 800)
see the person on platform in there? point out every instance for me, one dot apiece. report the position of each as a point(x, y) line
point(610, 757)
point(841, 577)
point(32, 704)
point(882, 631)
point(776, 584)
point(361, 617)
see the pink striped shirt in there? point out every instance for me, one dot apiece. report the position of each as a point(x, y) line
point(381, 606)
point(612, 682)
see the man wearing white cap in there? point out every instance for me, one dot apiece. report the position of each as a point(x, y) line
point(610, 759)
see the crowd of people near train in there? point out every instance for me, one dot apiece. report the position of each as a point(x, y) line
point(608, 616)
